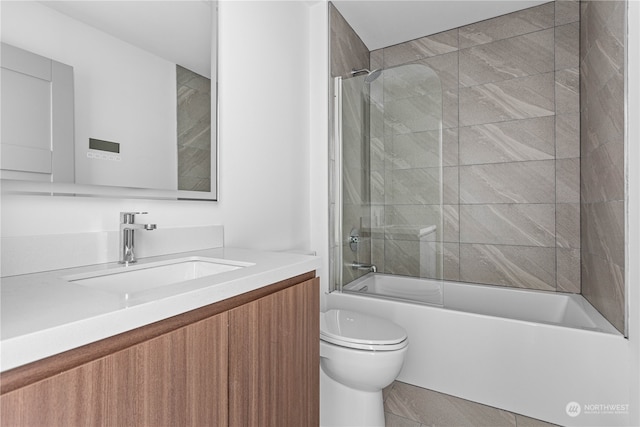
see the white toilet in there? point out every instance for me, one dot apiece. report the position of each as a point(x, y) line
point(359, 356)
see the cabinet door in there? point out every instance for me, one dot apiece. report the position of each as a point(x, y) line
point(176, 379)
point(37, 135)
point(274, 358)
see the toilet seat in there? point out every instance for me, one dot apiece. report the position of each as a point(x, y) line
point(361, 331)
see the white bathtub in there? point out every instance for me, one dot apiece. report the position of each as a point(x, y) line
point(569, 310)
point(529, 352)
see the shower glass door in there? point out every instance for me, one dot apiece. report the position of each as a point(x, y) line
point(389, 174)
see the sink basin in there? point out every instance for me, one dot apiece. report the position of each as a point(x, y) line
point(132, 279)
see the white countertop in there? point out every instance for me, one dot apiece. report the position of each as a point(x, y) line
point(43, 314)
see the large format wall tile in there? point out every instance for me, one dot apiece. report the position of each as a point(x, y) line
point(567, 91)
point(603, 286)
point(517, 140)
point(568, 180)
point(445, 67)
point(509, 224)
point(601, 19)
point(510, 118)
point(416, 150)
point(603, 173)
point(502, 27)
point(450, 147)
point(519, 98)
point(416, 215)
point(567, 135)
point(402, 257)
point(602, 35)
point(376, 59)
point(377, 253)
point(352, 186)
point(567, 42)
point(602, 44)
point(518, 182)
point(377, 186)
point(437, 44)
point(415, 114)
point(568, 270)
point(507, 59)
point(567, 11)
point(515, 266)
point(603, 230)
point(568, 225)
point(347, 50)
point(451, 186)
point(451, 223)
point(451, 261)
point(416, 186)
point(603, 113)
point(450, 108)
point(416, 79)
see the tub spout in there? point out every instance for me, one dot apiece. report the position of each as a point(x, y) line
point(360, 266)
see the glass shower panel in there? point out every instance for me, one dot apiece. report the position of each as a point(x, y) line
point(392, 174)
point(356, 244)
point(410, 242)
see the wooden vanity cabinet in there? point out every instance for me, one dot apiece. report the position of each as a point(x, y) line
point(274, 359)
point(162, 381)
point(252, 360)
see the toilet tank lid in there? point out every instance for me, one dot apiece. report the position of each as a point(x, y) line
point(355, 327)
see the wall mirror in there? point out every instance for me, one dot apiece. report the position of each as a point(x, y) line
point(144, 97)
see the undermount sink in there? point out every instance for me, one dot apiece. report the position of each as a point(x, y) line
point(142, 277)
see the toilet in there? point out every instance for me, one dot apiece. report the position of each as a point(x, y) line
point(359, 356)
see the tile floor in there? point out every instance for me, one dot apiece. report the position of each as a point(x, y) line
point(406, 405)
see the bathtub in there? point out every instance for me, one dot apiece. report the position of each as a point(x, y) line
point(553, 308)
point(529, 352)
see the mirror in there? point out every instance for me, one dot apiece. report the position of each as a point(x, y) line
point(144, 93)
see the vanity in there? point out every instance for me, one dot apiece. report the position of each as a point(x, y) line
point(193, 333)
point(237, 347)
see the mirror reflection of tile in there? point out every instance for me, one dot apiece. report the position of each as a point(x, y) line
point(194, 130)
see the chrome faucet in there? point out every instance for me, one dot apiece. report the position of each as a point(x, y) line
point(127, 243)
point(360, 266)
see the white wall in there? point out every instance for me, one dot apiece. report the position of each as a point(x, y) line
point(264, 123)
point(264, 176)
point(319, 135)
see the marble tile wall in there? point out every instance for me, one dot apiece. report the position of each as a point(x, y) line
point(511, 152)
point(347, 52)
point(347, 49)
point(194, 130)
point(602, 45)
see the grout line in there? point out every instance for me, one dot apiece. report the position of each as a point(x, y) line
point(459, 272)
point(555, 147)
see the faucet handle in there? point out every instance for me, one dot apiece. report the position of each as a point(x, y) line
point(129, 217)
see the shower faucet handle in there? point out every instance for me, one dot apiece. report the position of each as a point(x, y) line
point(364, 267)
point(354, 239)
